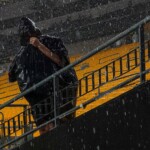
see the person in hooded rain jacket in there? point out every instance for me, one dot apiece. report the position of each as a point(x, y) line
point(39, 57)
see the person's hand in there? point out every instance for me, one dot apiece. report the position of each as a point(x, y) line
point(34, 41)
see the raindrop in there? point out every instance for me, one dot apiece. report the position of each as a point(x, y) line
point(139, 144)
point(123, 102)
point(106, 142)
point(135, 116)
point(125, 113)
point(31, 144)
point(96, 111)
point(94, 130)
point(3, 47)
point(98, 147)
point(107, 113)
point(70, 143)
point(127, 124)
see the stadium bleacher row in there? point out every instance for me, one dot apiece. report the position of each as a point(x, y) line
point(43, 15)
point(92, 27)
point(81, 29)
point(71, 7)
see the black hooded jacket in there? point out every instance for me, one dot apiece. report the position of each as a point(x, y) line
point(31, 66)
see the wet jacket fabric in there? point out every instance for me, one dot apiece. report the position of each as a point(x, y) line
point(31, 66)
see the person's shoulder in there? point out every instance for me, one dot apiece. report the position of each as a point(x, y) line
point(51, 38)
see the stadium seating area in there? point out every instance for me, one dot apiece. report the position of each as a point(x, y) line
point(9, 90)
point(110, 54)
point(76, 27)
point(72, 6)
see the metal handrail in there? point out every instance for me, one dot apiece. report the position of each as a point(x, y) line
point(83, 105)
point(89, 73)
point(93, 52)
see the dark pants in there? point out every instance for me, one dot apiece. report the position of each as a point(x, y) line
point(42, 104)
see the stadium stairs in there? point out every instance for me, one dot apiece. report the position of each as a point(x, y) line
point(104, 77)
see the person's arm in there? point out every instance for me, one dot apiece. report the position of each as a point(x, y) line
point(47, 52)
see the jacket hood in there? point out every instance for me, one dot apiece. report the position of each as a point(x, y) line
point(27, 29)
